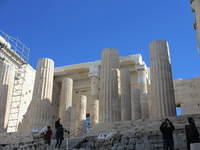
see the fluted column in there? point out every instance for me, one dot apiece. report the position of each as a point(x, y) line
point(6, 88)
point(40, 108)
point(135, 104)
point(66, 102)
point(196, 9)
point(110, 61)
point(142, 77)
point(94, 116)
point(74, 120)
point(116, 93)
point(125, 95)
point(143, 85)
point(144, 105)
point(94, 84)
point(82, 106)
point(162, 90)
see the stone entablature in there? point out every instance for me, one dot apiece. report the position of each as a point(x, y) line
point(125, 60)
point(11, 57)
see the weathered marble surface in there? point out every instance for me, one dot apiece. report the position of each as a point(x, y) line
point(66, 102)
point(136, 110)
point(40, 112)
point(110, 61)
point(187, 95)
point(125, 94)
point(162, 102)
point(7, 73)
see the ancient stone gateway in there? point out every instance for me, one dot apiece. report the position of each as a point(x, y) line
point(121, 98)
point(93, 96)
point(117, 88)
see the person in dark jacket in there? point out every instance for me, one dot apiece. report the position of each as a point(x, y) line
point(167, 129)
point(59, 136)
point(48, 135)
point(57, 123)
point(192, 134)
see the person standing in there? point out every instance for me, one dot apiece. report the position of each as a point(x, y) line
point(48, 135)
point(167, 129)
point(192, 134)
point(57, 123)
point(59, 136)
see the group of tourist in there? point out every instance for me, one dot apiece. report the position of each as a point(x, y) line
point(166, 128)
point(191, 131)
point(59, 134)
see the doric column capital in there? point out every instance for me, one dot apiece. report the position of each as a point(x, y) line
point(141, 67)
point(142, 73)
point(94, 69)
point(67, 80)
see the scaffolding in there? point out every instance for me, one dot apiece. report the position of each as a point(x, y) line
point(17, 94)
point(17, 46)
point(20, 50)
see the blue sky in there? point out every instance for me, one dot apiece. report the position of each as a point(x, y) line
point(75, 31)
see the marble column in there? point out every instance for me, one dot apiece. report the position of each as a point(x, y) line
point(116, 93)
point(7, 73)
point(82, 108)
point(94, 116)
point(144, 105)
point(66, 102)
point(142, 77)
point(135, 104)
point(41, 112)
point(162, 90)
point(196, 9)
point(74, 120)
point(110, 61)
point(143, 85)
point(94, 84)
point(125, 94)
point(57, 88)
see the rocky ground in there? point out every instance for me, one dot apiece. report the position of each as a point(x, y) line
point(128, 135)
point(135, 135)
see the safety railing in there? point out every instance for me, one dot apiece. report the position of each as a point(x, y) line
point(16, 46)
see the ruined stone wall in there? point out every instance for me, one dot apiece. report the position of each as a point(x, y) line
point(187, 95)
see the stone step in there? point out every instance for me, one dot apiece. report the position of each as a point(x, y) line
point(71, 143)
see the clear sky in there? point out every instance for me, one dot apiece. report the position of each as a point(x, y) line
point(75, 31)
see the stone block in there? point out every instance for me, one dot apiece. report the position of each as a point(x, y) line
point(195, 146)
point(140, 147)
point(130, 147)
